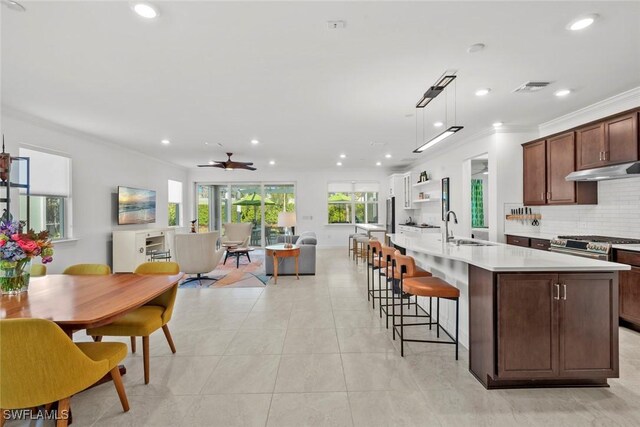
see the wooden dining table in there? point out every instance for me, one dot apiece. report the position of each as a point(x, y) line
point(87, 301)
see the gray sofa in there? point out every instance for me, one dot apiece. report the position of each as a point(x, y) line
point(306, 260)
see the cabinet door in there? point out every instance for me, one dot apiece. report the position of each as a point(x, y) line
point(527, 326)
point(630, 295)
point(561, 161)
point(588, 325)
point(540, 244)
point(518, 241)
point(590, 146)
point(535, 174)
point(621, 137)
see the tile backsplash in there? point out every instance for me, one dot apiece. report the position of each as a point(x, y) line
point(616, 214)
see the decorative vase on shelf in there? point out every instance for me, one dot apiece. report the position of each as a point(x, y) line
point(14, 277)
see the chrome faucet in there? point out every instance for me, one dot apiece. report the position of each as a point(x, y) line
point(446, 225)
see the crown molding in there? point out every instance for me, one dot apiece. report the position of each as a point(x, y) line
point(57, 127)
point(625, 100)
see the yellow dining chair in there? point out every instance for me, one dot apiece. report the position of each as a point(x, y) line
point(87, 269)
point(41, 365)
point(145, 320)
point(38, 270)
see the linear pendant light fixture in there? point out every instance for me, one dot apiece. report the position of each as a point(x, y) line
point(429, 95)
point(435, 90)
point(444, 135)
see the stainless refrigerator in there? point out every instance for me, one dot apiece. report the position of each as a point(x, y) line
point(391, 215)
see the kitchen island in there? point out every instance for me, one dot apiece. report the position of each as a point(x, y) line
point(529, 318)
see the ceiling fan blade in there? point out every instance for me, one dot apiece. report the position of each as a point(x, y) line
point(217, 165)
point(249, 168)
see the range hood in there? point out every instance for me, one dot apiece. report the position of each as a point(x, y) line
point(627, 170)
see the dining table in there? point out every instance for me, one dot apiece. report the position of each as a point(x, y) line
point(76, 302)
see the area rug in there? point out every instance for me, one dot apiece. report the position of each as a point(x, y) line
point(247, 275)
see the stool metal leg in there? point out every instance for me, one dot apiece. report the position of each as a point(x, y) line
point(430, 311)
point(368, 278)
point(438, 317)
point(457, 317)
point(401, 329)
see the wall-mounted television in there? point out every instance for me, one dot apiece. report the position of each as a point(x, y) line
point(136, 206)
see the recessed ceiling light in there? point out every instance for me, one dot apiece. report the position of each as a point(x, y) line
point(339, 164)
point(438, 124)
point(562, 92)
point(482, 92)
point(343, 156)
point(255, 142)
point(582, 22)
point(388, 156)
point(272, 162)
point(14, 5)
point(378, 163)
point(497, 124)
point(476, 48)
point(166, 142)
point(146, 10)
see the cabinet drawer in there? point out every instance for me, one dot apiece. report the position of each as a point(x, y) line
point(628, 257)
point(518, 241)
point(541, 244)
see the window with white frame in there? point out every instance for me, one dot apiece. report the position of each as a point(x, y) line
point(50, 193)
point(352, 202)
point(175, 203)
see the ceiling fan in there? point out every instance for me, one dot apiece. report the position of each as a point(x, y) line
point(229, 164)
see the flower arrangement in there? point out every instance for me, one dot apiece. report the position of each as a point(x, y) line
point(17, 249)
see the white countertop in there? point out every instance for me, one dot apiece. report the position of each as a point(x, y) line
point(500, 257)
point(371, 227)
point(547, 236)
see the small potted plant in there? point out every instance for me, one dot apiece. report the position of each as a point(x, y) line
point(17, 249)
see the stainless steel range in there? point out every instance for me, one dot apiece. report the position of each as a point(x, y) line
point(597, 247)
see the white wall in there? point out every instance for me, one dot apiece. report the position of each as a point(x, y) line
point(505, 178)
point(311, 193)
point(98, 167)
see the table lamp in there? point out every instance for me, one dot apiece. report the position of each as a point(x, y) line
point(287, 220)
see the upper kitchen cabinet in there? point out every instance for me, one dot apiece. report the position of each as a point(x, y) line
point(546, 163)
point(535, 175)
point(609, 142)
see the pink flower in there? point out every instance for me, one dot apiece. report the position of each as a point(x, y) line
point(28, 246)
point(2, 243)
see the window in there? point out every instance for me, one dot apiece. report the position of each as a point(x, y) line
point(49, 194)
point(175, 203)
point(353, 202)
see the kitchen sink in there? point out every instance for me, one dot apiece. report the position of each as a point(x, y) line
point(467, 242)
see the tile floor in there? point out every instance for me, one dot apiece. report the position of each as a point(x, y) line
point(313, 353)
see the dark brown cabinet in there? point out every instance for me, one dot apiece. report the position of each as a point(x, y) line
point(560, 163)
point(557, 326)
point(612, 141)
point(546, 163)
point(527, 326)
point(541, 244)
point(518, 241)
point(630, 287)
point(535, 173)
point(589, 146)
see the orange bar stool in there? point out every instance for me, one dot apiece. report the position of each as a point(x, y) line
point(392, 274)
point(374, 262)
point(430, 287)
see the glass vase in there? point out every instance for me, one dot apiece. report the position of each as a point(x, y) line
point(15, 280)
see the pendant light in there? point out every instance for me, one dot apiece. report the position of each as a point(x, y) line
point(430, 94)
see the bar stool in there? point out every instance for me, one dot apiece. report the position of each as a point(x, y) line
point(360, 247)
point(351, 244)
point(374, 262)
point(431, 287)
point(393, 276)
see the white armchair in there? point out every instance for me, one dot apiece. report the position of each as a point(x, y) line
point(237, 232)
point(197, 253)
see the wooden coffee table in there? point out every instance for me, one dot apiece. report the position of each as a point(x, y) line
point(279, 251)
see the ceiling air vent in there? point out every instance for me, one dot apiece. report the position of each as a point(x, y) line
point(530, 87)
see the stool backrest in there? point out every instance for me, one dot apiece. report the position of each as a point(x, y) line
point(405, 264)
point(388, 253)
point(375, 246)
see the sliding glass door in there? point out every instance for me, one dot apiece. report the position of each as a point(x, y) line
point(256, 203)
